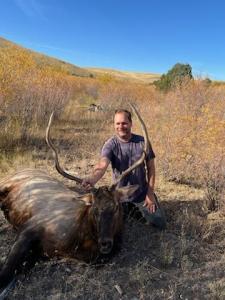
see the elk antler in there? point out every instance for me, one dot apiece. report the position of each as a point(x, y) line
point(145, 150)
point(55, 154)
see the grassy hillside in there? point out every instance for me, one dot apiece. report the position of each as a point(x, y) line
point(125, 75)
point(44, 60)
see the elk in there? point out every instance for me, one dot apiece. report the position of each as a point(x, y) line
point(94, 107)
point(52, 219)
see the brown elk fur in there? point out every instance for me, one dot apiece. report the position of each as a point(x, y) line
point(57, 220)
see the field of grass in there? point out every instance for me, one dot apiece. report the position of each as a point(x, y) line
point(44, 61)
point(186, 127)
point(186, 261)
point(136, 77)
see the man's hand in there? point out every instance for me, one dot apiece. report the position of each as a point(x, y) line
point(150, 203)
point(88, 183)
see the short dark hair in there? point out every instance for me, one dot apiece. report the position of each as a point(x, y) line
point(124, 111)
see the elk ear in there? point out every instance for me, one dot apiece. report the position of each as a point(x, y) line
point(122, 193)
point(87, 199)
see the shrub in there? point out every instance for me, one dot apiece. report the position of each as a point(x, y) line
point(174, 76)
point(28, 93)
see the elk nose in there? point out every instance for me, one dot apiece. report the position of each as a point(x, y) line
point(106, 246)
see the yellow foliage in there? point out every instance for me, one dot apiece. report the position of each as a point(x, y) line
point(28, 92)
point(15, 63)
point(106, 78)
point(186, 126)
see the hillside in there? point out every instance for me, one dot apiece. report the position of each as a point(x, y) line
point(125, 75)
point(44, 60)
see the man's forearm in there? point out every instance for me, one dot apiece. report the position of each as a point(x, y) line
point(151, 182)
point(97, 175)
point(151, 174)
point(99, 171)
point(151, 179)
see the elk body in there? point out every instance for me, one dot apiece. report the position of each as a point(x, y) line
point(54, 220)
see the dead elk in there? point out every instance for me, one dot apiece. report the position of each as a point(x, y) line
point(56, 221)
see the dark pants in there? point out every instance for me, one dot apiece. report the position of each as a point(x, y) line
point(142, 214)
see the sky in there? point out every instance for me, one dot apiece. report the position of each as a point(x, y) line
point(142, 36)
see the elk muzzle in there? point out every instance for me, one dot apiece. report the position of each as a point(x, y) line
point(105, 245)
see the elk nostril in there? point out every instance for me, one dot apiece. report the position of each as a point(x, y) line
point(106, 246)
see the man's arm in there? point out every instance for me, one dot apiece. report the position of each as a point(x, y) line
point(99, 170)
point(150, 198)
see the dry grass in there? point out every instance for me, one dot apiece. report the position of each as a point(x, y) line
point(135, 77)
point(181, 262)
point(185, 261)
point(186, 127)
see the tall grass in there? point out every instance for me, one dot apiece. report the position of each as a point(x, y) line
point(186, 126)
point(27, 96)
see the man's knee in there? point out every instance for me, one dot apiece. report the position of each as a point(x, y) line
point(157, 218)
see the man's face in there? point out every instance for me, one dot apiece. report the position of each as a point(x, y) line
point(122, 126)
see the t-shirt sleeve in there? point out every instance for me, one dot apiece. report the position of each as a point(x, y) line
point(150, 154)
point(107, 150)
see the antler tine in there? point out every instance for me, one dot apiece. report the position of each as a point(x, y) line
point(55, 154)
point(145, 150)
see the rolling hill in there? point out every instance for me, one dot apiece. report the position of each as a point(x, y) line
point(125, 75)
point(44, 60)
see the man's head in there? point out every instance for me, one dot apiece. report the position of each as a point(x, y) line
point(123, 124)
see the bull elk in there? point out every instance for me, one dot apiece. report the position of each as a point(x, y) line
point(52, 219)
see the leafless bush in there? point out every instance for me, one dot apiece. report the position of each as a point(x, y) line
point(32, 102)
point(213, 177)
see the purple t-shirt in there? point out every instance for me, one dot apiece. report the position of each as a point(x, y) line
point(122, 155)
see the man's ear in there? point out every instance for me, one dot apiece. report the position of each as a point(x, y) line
point(88, 199)
point(122, 193)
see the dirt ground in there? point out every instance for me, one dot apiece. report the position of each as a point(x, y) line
point(185, 261)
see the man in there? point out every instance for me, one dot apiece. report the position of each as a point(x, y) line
point(122, 150)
